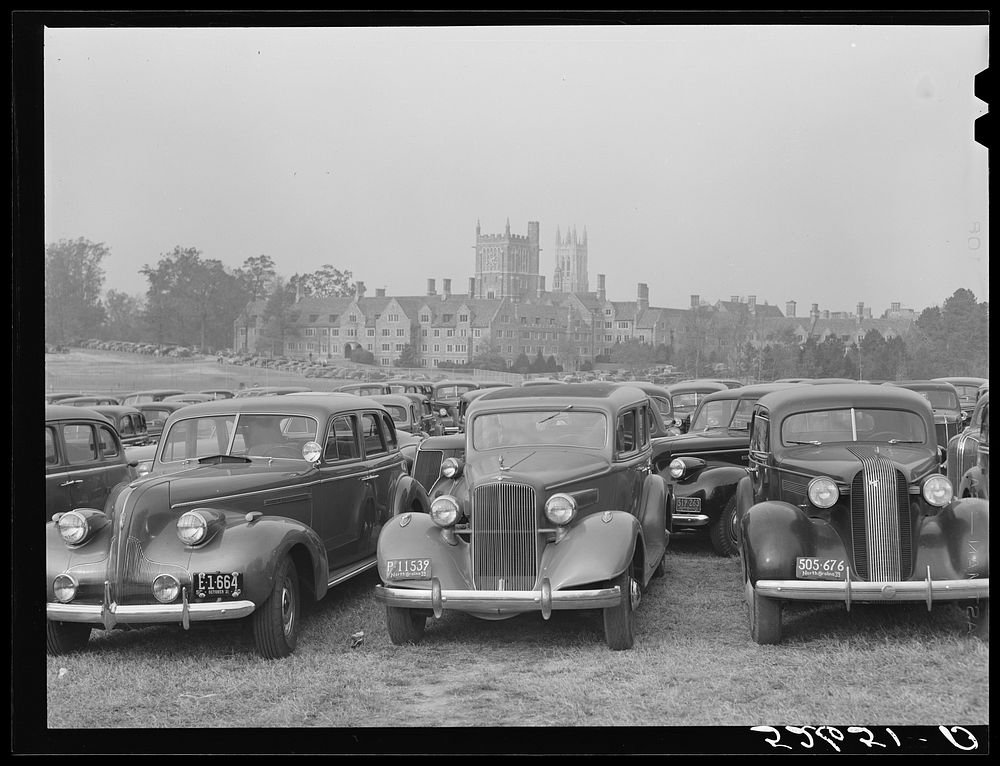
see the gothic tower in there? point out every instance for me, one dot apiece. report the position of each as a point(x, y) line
point(507, 264)
point(571, 263)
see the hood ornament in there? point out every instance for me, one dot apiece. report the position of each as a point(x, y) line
point(502, 466)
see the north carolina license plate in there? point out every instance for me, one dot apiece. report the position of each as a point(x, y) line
point(408, 569)
point(688, 505)
point(217, 585)
point(815, 568)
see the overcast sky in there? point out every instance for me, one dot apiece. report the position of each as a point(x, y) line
point(821, 164)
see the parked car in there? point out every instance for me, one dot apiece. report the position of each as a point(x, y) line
point(466, 399)
point(968, 390)
point(407, 386)
point(963, 448)
point(948, 415)
point(89, 400)
point(57, 396)
point(152, 395)
point(551, 506)
point(844, 502)
point(686, 395)
point(429, 421)
point(156, 414)
point(403, 411)
point(660, 397)
point(365, 389)
point(128, 421)
point(730, 382)
point(270, 391)
point(250, 503)
point(445, 398)
point(976, 481)
point(703, 466)
point(84, 459)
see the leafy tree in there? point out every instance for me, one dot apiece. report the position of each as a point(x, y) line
point(522, 364)
point(952, 339)
point(408, 357)
point(489, 357)
point(551, 366)
point(327, 282)
point(122, 316)
point(256, 278)
point(362, 355)
point(538, 363)
point(73, 282)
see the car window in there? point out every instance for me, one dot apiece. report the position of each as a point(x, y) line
point(109, 445)
point(125, 426)
point(200, 437)
point(51, 456)
point(643, 424)
point(851, 424)
point(941, 400)
point(663, 405)
point(371, 434)
point(741, 415)
point(713, 415)
point(80, 444)
point(759, 436)
point(298, 427)
point(558, 427)
point(625, 432)
point(984, 431)
point(156, 418)
point(389, 429)
point(397, 412)
point(341, 440)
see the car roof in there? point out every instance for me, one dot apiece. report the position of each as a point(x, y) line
point(645, 385)
point(69, 412)
point(114, 409)
point(160, 405)
point(167, 391)
point(319, 406)
point(400, 400)
point(455, 382)
point(922, 385)
point(564, 394)
point(964, 381)
point(701, 384)
point(799, 398)
point(755, 391)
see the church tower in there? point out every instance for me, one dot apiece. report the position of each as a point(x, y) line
point(571, 263)
point(507, 265)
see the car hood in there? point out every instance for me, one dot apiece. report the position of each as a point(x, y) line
point(210, 481)
point(538, 466)
point(702, 441)
point(839, 463)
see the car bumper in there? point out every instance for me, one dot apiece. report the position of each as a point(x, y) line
point(110, 614)
point(848, 591)
point(689, 519)
point(544, 600)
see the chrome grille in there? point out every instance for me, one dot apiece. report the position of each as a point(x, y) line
point(427, 467)
point(504, 537)
point(137, 584)
point(880, 520)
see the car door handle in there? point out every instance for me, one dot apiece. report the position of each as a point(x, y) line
point(72, 481)
point(370, 477)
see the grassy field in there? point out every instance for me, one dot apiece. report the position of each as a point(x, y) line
point(693, 664)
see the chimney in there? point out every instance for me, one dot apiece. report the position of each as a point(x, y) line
point(472, 287)
point(861, 311)
point(734, 299)
point(894, 306)
point(789, 308)
point(379, 292)
point(430, 287)
point(600, 287)
point(447, 287)
point(814, 311)
point(642, 297)
point(360, 287)
point(752, 302)
point(695, 301)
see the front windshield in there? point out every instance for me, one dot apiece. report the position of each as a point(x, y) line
point(452, 391)
point(853, 425)
point(552, 427)
point(940, 399)
point(715, 414)
point(243, 435)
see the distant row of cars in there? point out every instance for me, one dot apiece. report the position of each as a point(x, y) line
point(548, 497)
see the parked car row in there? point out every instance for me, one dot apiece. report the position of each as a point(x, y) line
point(537, 498)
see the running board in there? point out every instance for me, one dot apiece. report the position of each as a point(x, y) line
point(346, 573)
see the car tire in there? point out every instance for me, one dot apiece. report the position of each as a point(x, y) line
point(979, 620)
point(724, 532)
point(765, 616)
point(276, 621)
point(406, 626)
point(65, 637)
point(619, 620)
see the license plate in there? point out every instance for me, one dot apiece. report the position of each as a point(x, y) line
point(408, 569)
point(688, 505)
point(815, 568)
point(218, 585)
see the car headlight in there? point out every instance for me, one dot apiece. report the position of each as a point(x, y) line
point(64, 588)
point(560, 508)
point(450, 467)
point(444, 510)
point(823, 492)
point(192, 528)
point(676, 468)
point(937, 490)
point(73, 527)
point(443, 412)
point(165, 588)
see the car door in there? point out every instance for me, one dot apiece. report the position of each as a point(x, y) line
point(341, 490)
point(86, 473)
point(632, 455)
point(759, 454)
point(385, 463)
point(115, 468)
point(58, 498)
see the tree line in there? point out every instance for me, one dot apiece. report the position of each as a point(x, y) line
point(195, 302)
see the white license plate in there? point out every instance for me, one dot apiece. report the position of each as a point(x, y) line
point(408, 569)
point(815, 568)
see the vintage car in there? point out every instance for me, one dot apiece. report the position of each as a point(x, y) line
point(249, 503)
point(660, 397)
point(968, 390)
point(703, 466)
point(84, 459)
point(364, 389)
point(976, 481)
point(948, 415)
point(128, 421)
point(686, 395)
point(963, 449)
point(57, 396)
point(152, 395)
point(550, 506)
point(89, 400)
point(403, 386)
point(190, 398)
point(271, 391)
point(844, 502)
point(218, 393)
point(429, 421)
point(156, 414)
point(445, 398)
point(465, 400)
point(404, 412)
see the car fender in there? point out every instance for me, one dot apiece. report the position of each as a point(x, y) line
point(715, 485)
point(408, 494)
point(87, 563)
point(744, 494)
point(772, 536)
point(966, 525)
point(598, 547)
point(416, 536)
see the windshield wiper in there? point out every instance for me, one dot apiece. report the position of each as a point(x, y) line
point(814, 443)
point(567, 408)
point(906, 441)
point(223, 459)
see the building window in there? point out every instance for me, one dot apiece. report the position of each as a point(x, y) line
point(447, 317)
point(449, 349)
point(333, 318)
point(385, 347)
point(423, 333)
point(425, 318)
point(371, 332)
point(437, 333)
point(393, 317)
point(451, 333)
point(400, 346)
point(476, 333)
point(437, 346)
point(463, 317)
point(352, 318)
point(310, 331)
point(385, 332)
point(423, 346)
point(334, 332)
point(324, 331)
point(400, 333)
